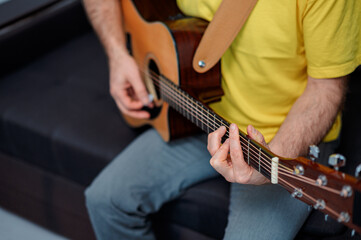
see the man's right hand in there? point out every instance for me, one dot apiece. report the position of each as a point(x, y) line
point(127, 87)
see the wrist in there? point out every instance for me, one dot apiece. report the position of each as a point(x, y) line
point(117, 53)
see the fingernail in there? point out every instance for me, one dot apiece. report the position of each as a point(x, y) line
point(233, 126)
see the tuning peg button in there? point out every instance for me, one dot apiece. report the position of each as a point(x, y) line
point(358, 171)
point(343, 217)
point(321, 180)
point(297, 193)
point(299, 170)
point(313, 152)
point(346, 191)
point(320, 204)
point(337, 161)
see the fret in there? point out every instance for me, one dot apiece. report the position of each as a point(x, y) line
point(161, 89)
point(183, 107)
point(208, 130)
point(177, 106)
point(203, 126)
point(214, 121)
point(197, 123)
point(195, 118)
point(248, 149)
point(191, 112)
point(202, 119)
point(259, 159)
point(188, 117)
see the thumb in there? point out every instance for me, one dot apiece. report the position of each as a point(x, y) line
point(256, 135)
point(140, 90)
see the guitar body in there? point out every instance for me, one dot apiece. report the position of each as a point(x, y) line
point(166, 47)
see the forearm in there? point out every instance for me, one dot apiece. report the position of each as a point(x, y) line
point(106, 19)
point(310, 117)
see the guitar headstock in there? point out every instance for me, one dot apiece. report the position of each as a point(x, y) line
point(326, 189)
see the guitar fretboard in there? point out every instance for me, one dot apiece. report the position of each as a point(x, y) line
point(254, 154)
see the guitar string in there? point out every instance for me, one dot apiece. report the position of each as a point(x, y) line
point(156, 80)
point(309, 181)
point(286, 171)
point(290, 187)
point(287, 168)
point(307, 197)
point(155, 77)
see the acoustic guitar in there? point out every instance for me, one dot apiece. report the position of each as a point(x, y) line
point(163, 43)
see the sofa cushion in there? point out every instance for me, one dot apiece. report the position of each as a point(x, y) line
point(57, 113)
point(203, 208)
point(29, 29)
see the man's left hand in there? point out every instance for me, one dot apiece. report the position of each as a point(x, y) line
point(227, 158)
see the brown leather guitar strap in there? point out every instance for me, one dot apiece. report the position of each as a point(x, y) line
point(221, 31)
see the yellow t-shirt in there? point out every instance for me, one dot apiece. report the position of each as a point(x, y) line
point(265, 69)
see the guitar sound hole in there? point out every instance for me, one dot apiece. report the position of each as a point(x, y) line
point(154, 112)
point(154, 75)
point(129, 43)
point(152, 82)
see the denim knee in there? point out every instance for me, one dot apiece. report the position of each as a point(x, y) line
point(94, 198)
point(101, 197)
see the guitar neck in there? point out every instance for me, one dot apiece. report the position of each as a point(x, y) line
point(254, 154)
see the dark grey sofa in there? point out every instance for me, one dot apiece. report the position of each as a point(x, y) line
point(59, 127)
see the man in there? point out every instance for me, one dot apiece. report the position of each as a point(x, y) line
point(285, 74)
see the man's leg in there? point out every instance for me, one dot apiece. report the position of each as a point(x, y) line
point(263, 212)
point(148, 173)
point(268, 211)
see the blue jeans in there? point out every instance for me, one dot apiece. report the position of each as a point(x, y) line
point(150, 172)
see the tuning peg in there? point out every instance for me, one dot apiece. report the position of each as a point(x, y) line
point(309, 208)
point(358, 171)
point(337, 161)
point(343, 217)
point(313, 152)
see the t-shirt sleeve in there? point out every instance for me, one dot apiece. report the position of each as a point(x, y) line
point(332, 37)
